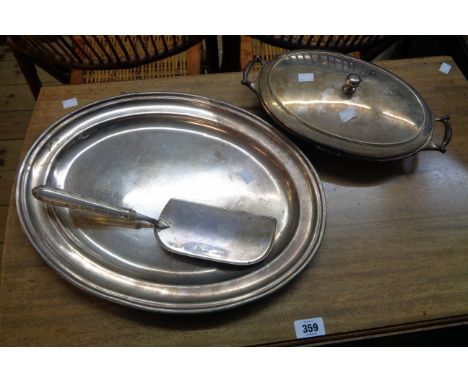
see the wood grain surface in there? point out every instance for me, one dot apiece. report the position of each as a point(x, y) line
point(394, 255)
point(16, 107)
point(13, 124)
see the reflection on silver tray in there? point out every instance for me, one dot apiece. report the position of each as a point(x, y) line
point(139, 151)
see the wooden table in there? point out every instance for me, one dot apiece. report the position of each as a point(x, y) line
point(394, 256)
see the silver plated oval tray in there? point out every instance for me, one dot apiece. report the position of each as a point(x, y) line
point(140, 150)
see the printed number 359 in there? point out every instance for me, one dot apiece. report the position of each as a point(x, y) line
point(310, 328)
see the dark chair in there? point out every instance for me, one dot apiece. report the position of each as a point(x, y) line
point(86, 59)
point(268, 47)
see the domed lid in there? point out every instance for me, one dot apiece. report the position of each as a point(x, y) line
point(345, 103)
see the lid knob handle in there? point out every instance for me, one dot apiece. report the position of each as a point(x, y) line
point(351, 84)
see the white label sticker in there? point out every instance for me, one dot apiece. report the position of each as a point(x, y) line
point(306, 77)
point(445, 68)
point(67, 103)
point(348, 115)
point(310, 327)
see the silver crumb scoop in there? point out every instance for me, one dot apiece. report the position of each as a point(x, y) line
point(187, 228)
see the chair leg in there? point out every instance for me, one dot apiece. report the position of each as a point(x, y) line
point(76, 77)
point(29, 70)
point(194, 58)
point(402, 48)
point(231, 54)
point(212, 59)
point(246, 49)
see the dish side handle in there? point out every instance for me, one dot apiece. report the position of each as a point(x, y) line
point(245, 78)
point(431, 145)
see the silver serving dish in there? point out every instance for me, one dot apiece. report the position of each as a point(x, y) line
point(139, 151)
point(345, 105)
